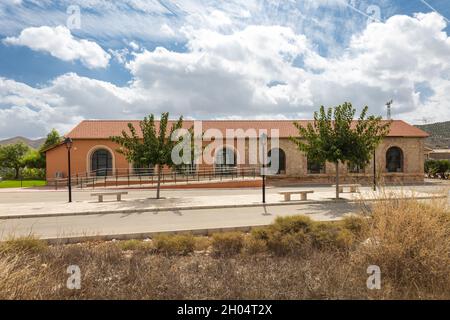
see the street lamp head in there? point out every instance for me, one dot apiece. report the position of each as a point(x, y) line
point(68, 142)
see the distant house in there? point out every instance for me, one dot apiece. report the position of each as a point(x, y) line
point(439, 154)
point(399, 157)
point(426, 152)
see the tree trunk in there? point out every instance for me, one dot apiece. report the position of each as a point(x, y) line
point(17, 173)
point(337, 180)
point(158, 186)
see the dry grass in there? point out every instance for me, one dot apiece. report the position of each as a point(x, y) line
point(227, 244)
point(410, 242)
point(295, 258)
point(180, 244)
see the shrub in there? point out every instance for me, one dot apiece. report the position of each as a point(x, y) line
point(29, 244)
point(287, 235)
point(296, 234)
point(32, 173)
point(291, 243)
point(227, 243)
point(328, 235)
point(7, 173)
point(202, 243)
point(437, 168)
point(293, 224)
point(412, 245)
point(261, 233)
point(134, 244)
point(356, 224)
point(253, 245)
point(179, 244)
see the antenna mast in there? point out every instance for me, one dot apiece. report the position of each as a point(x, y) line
point(388, 105)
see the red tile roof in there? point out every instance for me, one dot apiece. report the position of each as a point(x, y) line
point(103, 129)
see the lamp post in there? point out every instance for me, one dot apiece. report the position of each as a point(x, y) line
point(68, 142)
point(263, 142)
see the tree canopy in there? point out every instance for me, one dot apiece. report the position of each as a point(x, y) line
point(53, 138)
point(11, 156)
point(155, 146)
point(334, 136)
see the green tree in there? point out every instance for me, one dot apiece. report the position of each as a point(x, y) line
point(155, 146)
point(33, 159)
point(53, 138)
point(333, 136)
point(11, 156)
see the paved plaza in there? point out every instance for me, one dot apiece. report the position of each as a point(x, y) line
point(46, 213)
point(41, 202)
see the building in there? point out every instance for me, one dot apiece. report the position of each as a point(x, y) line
point(399, 158)
point(438, 154)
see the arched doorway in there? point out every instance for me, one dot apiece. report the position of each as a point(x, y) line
point(101, 162)
point(277, 161)
point(394, 159)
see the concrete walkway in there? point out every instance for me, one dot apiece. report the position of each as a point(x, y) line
point(139, 217)
point(136, 202)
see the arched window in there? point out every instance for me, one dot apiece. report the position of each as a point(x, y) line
point(394, 160)
point(277, 160)
point(225, 159)
point(101, 162)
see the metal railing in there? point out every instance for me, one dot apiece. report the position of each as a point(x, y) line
point(128, 177)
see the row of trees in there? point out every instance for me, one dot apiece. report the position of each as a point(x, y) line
point(18, 156)
point(333, 136)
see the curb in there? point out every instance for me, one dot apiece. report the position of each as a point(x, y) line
point(146, 235)
point(126, 211)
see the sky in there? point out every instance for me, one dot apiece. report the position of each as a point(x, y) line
point(69, 60)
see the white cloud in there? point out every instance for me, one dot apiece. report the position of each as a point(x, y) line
point(142, 20)
point(388, 60)
point(259, 72)
point(12, 2)
point(134, 45)
point(60, 43)
point(222, 74)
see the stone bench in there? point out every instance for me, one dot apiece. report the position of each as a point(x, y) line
point(354, 187)
point(303, 194)
point(100, 195)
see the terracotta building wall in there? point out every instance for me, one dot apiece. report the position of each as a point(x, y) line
point(80, 157)
point(413, 164)
point(296, 162)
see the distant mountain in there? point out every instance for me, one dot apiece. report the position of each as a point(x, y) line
point(440, 134)
point(35, 144)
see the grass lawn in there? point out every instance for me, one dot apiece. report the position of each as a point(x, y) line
point(25, 183)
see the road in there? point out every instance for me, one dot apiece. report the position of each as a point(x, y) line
point(154, 221)
point(90, 225)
